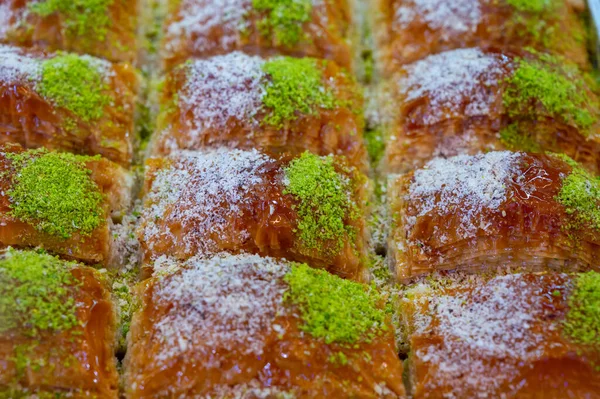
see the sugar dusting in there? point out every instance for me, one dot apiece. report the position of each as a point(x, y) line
point(221, 88)
point(228, 302)
point(201, 19)
point(454, 82)
point(198, 194)
point(16, 66)
point(493, 320)
point(449, 16)
point(5, 17)
point(466, 183)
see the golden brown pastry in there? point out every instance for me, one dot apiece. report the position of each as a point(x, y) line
point(281, 105)
point(67, 102)
point(409, 30)
point(246, 326)
point(516, 336)
point(489, 211)
point(467, 101)
point(309, 208)
point(203, 28)
point(57, 329)
point(102, 28)
point(61, 202)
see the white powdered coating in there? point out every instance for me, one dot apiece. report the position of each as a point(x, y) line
point(253, 389)
point(200, 191)
point(449, 16)
point(16, 66)
point(228, 302)
point(454, 78)
point(5, 16)
point(198, 19)
point(464, 184)
point(493, 321)
point(223, 87)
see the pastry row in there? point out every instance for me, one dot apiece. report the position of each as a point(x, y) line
point(248, 326)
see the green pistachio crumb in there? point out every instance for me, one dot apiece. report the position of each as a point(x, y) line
point(324, 202)
point(557, 90)
point(284, 19)
point(516, 139)
point(533, 6)
point(73, 82)
point(81, 17)
point(580, 194)
point(35, 292)
point(556, 293)
point(338, 359)
point(582, 322)
point(55, 193)
point(295, 86)
point(334, 309)
point(375, 145)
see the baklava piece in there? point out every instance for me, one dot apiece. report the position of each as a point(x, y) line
point(67, 102)
point(57, 329)
point(308, 209)
point(281, 105)
point(203, 28)
point(468, 101)
point(244, 326)
point(409, 30)
point(102, 28)
point(483, 212)
point(514, 336)
point(61, 202)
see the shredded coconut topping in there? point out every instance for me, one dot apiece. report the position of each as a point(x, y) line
point(198, 19)
point(16, 66)
point(228, 302)
point(449, 16)
point(494, 320)
point(223, 87)
point(466, 183)
point(455, 82)
point(5, 17)
point(198, 194)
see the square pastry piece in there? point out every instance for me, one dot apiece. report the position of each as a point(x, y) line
point(61, 202)
point(487, 211)
point(470, 100)
point(244, 326)
point(313, 28)
point(409, 30)
point(280, 105)
point(102, 28)
point(67, 102)
point(57, 329)
point(308, 209)
point(514, 336)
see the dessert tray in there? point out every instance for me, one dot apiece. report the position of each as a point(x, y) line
point(299, 199)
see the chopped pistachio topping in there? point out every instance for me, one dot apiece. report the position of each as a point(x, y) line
point(283, 19)
point(334, 309)
point(582, 323)
point(34, 292)
point(324, 202)
point(535, 6)
point(295, 86)
point(540, 83)
point(515, 139)
point(81, 17)
point(580, 194)
point(73, 82)
point(375, 145)
point(55, 193)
